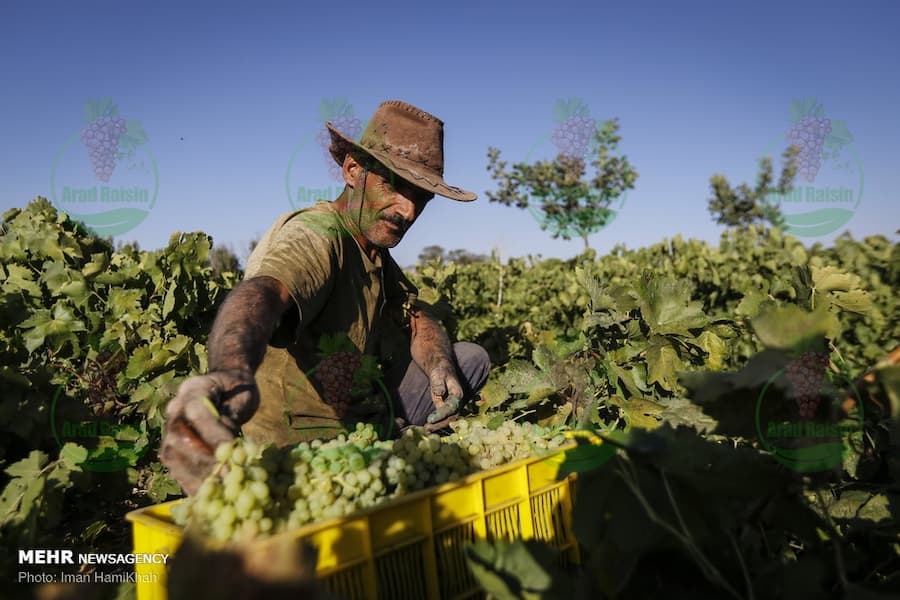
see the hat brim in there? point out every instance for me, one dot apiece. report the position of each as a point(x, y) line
point(341, 145)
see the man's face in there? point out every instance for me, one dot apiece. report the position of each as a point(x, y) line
point(390, 205)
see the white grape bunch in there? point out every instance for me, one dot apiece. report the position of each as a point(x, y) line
point(256, 491)
point(101, 139)
point(808, 135)
point(341, 116)
point(805, 375)
point(574, 130)
point(488, 448)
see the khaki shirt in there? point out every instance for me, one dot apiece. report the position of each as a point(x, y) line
point(337, 289)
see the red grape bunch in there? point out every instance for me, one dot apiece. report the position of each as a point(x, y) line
point(808, 134)
point(335, 373)
point(340, 113)
point(805, 375)
point(101, 138)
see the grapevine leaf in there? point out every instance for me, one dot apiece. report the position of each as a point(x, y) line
point(522, 378)
point(97, 265)
point(860, 504)
point(830, 278)
point(162, 486)
point(73, 454)
point(139, 363)
point(590, 285)
point(715, 349)
point(493, 394)
point(750, 304)
point(667, 307)
point(10, 500)
point(641, 413)
point(38, 327)
point(543, 358)
point(55, 276)
point(662, 363)
point(29, 467)
point(682, 412)
point(169, 302)
point(790, 327)
point(858, 301)
point(21, 278)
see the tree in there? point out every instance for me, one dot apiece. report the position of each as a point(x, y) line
point(222, 259)
point(743, 205)
point(464, 257)
point(572, 205)
point(460, 255)
point(431, 253)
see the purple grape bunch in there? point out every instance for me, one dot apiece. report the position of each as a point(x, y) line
point(809, 134)
point(805, 374)
point(573, 135)
point(101, 138)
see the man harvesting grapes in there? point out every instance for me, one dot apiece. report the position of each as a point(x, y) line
point(292, 351)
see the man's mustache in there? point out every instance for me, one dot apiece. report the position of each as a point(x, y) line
point(398, 221)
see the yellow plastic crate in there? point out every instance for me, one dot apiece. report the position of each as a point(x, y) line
point(397, 549)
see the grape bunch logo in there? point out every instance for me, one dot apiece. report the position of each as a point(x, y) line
point(829, 183)
point(87, 411)
point(573, 138)
point(351, 383)
point(312, 173)
point(574, 129)
point(814, 431)
point(104, 175)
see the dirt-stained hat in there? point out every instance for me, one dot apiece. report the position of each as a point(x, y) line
point(406, 140)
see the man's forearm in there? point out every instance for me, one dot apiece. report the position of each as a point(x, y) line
point(430, 345)
point(245, 323)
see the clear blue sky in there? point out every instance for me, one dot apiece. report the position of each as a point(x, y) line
point(229, 92)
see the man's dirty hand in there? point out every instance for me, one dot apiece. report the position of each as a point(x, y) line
point(208, 410)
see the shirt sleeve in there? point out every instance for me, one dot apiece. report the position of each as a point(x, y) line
point(300, 252)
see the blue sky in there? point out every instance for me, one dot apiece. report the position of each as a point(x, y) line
point(229, 97)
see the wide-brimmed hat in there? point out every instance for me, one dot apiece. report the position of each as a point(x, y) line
point(406, 140)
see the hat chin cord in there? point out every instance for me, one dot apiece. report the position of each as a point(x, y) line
point(362, 199)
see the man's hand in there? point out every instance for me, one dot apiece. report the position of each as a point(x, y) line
point(446, 391)
point(207, 411)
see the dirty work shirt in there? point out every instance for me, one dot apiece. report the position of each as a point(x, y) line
point(336, 289)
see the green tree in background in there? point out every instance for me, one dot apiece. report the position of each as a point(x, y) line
point(744, 205)
point(573, 205)
point(222, 259)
